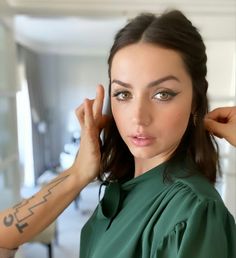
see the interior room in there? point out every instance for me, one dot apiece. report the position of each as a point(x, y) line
point(53, 54)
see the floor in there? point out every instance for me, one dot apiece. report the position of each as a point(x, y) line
point(69, 225)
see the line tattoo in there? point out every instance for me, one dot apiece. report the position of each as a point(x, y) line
point(25, 209)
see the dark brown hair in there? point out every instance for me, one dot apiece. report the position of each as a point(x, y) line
point(171, 30)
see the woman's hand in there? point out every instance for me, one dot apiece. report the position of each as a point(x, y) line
point(92, 121)
point(26, 219)
point(222, 123)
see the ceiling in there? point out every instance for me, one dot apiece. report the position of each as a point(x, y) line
point(116, 7)
point(88, 26)
point(67, 35)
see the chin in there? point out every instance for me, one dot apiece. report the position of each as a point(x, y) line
point(144, 154)
point(151, 153)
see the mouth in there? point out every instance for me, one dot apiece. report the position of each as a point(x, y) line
point(142, 140)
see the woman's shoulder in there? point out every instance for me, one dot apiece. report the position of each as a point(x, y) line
point(194, 218)
point(188, 180)
point(194, 207)
point(194, 196)
point(198, 186)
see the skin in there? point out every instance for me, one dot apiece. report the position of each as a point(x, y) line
point(143, 113)
point(26, 219)
point(151, 100)
point(222, 123)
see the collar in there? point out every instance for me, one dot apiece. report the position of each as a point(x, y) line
point(110, 205)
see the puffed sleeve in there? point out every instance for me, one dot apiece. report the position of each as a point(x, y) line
point(210, 232)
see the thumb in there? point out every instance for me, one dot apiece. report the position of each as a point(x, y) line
point(214, 127)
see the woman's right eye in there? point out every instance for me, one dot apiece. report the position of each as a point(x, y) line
point(122, 95)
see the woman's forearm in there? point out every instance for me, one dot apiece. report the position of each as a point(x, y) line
point(23, 221)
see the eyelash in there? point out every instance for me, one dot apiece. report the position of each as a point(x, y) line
point(117, 95)
point(171, 95)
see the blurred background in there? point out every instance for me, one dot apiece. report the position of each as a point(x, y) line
point(52, 56)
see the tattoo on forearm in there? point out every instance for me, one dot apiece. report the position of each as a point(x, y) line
point(25, 209)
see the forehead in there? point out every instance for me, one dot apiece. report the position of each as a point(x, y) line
point(146, 59)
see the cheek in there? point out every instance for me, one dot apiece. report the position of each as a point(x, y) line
point(175, 117)
point(177, 123)
point(118, 116)
point(180, 114)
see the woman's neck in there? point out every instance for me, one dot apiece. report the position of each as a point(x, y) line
point(144, 165)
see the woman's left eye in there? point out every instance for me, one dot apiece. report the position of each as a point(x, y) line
point(164, 95)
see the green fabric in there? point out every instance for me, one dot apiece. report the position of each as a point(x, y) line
point(150, 217)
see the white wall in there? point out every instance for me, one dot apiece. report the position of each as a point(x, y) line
point(10, 176)
point(221, 71)
point(222, 92)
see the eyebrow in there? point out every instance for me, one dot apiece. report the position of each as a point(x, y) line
point(151, 84)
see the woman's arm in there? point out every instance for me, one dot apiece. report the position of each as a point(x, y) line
point(23, 221)
point(222, 123)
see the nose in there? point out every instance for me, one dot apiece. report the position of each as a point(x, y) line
point(141, 113)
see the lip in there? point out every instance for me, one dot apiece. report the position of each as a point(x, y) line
point(142, 140)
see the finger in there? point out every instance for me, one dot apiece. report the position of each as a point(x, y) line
point(98, 102)
point(79, 112)
point(220, 114)
point(88, 113)
point(214, 127)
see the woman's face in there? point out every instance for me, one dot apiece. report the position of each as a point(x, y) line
point(151, 99)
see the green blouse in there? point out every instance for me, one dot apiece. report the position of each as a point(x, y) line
point(149, 217)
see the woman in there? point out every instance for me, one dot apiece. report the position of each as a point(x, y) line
point(158, 101)
point(158, 161)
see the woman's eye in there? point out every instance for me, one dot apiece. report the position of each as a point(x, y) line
point(122, 95)
point(164, 95)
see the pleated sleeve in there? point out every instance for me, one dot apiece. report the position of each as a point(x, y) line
point(209, 232)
